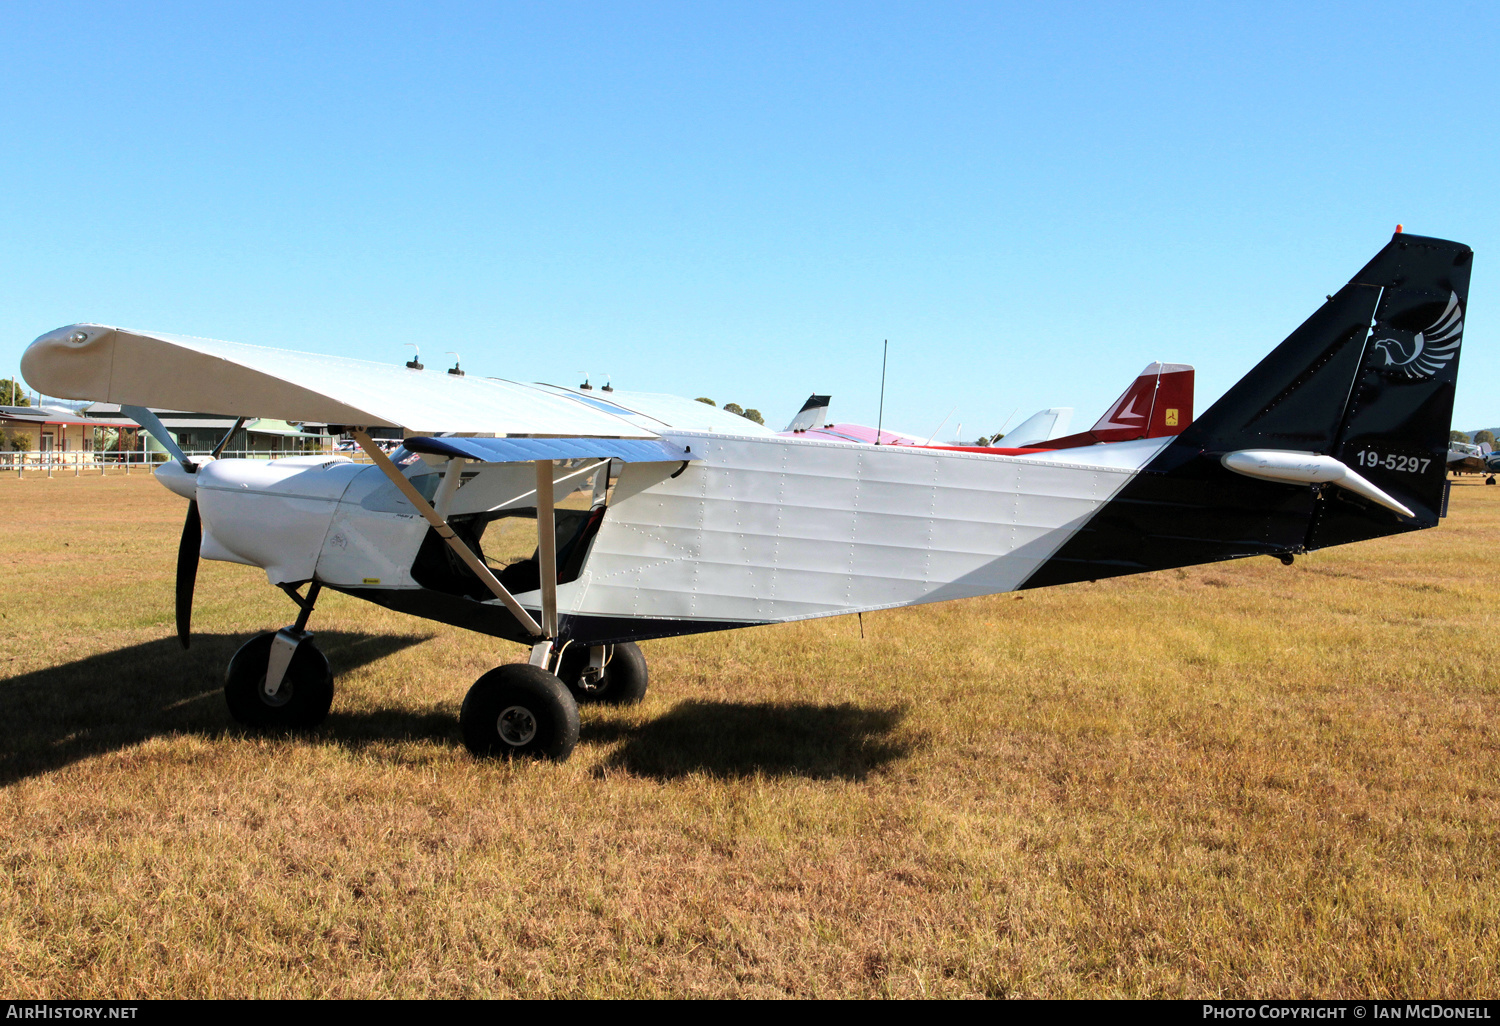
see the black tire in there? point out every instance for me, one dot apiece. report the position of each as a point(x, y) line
point(624, 681)
point(519, 710)
point(302, 701)
point(1489, 480)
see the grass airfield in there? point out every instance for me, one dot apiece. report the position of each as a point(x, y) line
point(1238, 779)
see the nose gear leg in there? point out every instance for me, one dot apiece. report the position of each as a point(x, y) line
point(286, 641)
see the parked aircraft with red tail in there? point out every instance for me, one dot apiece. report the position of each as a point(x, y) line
point(1158, 404)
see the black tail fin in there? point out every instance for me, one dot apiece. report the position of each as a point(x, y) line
point(1368, 379)
point(812, 414)
point(1395, 429)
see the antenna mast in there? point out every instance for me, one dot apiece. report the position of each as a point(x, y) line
point(880, 422)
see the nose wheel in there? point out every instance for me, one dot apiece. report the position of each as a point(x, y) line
point(299, 701)
point(519, 710)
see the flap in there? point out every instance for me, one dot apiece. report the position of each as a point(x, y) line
point(526, 450)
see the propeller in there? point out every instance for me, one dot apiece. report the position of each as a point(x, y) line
point(192, 527)
point(187, 570)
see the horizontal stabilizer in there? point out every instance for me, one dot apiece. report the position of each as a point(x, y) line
point(1307, 468)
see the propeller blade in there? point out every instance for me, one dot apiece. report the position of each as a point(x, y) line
point(187, 571)
point(157, 430)
point(224, 442)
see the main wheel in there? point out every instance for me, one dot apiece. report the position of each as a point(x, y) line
point(1490, 479)
point(301, 702)
point(623, 681)
point(519, 709)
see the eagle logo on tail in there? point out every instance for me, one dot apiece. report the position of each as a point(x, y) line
point(1428, 351)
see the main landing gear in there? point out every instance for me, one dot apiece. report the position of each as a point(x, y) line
point(524, 710)
point(519, 709)
point(280, 680)
point(608, 674)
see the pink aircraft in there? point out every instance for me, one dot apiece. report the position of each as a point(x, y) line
point(1158, 404)
point(809, 422)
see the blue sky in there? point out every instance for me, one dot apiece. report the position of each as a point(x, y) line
point(1030, 201)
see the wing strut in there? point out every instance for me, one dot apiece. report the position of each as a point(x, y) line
point(546, 546)
point(467, 554)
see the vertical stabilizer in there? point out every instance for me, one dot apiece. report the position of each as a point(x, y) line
point(1158, 404)
point(1040, 427)
point(813, 413)
point(1363, 389)
point(1399, 412)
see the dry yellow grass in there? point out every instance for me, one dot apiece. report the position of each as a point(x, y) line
point(1240, 779)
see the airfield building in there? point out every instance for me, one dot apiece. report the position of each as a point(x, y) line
point(56, 434)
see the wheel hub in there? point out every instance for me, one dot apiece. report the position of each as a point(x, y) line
point(516, 725)
point(283, 694)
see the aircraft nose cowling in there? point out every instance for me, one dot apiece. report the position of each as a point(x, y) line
point(273, 515)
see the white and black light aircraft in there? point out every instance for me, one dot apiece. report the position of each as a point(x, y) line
point(1469, 458)
point(711, 522)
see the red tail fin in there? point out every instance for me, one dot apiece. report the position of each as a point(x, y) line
point(1157, 404)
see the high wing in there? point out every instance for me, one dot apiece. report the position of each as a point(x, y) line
point(655, 410)
point(1465, 457)
point(178, 372)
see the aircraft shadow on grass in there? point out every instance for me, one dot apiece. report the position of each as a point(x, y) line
point(739, 739)
point(54, 717)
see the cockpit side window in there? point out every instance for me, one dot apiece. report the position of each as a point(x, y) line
point(438, 567)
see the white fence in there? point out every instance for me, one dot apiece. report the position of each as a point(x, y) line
point(76, 463)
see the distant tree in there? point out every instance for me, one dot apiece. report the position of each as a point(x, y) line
point(1457, 436)
point(755, 416)
point(12, 394)
point(705, 399)
point(17, 441)
point(1480, 437)
point(734, 408)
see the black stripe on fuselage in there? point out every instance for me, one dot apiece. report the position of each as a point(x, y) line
point(497, 622)
point(1183, 509)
